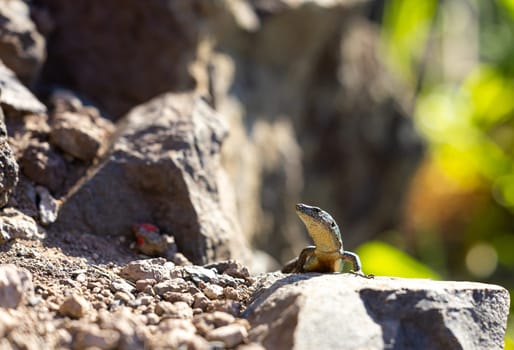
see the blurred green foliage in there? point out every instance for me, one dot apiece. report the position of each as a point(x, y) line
point(457, 57)
point(383, 259)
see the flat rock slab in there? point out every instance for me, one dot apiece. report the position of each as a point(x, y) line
point(336, 311)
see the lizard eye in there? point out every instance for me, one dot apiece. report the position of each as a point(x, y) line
point(333, 224)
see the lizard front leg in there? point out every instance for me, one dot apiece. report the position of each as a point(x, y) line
point(296, 264)
point(353, 259)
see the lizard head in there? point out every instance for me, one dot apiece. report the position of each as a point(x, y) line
point(321, 226)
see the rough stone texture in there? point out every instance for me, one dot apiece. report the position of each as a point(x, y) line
point(230, 335)
point(163, 168)
point(48, 206)
point(8, 164)
point(74, 306)
point(15, 96)
point(92, 336)
point(15, 285)
point(14, 224)
point(93, 52)
point(80, 135)
point(156, 269)
point(42, 164)
point(22, 48)
point(314, 311)
point(325, 95)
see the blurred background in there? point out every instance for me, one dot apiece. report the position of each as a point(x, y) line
point(457, 59)
point(397, 117)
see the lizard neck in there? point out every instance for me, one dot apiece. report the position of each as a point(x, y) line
point(325, 240)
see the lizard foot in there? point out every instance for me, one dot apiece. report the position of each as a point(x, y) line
point(362, 274)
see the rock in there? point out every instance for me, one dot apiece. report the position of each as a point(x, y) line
point(74, 306)
point(180, 339)
point(156, 269)
point(169, 324)
point(14, 224)
point(144, 283)
point(213, 291)
point(99, 67)
point(201, 301)
point(333, 99)
point(230, 335)
point(200, 273)
point(174, 310)
point(120, 285)
point(15, 285)
point(90, 336)
point(8, 164)
point(24, 197)
point(251, 346)
point(22, 48)
point(48, 206)
point(208, 321)
point(163, 168)
point(232, 293)
point(43, 165)
point(16, 97)
point(129, 326)
point(7, 322)
point(80, 135)
point(355, 312)
point(178, 296)
point(172, 285)
point(231, 268)
point(151, 242)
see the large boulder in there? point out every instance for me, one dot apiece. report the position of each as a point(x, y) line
point(163, 168)
point(93, 48)
point(336, 311)
point(22, 48)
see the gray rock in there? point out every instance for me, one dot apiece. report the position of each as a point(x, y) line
point(230, 335)
point(80, 135)
point(119, 284)
point(8, 166)
point(91, 336)
point(74, 306)
point(163, 168)
point(22, 48)
point(15, 96)
point(156, 269)
point(15, 285)
point(43, 165)
point(314, 311)
point(200, 273)
point(14, 224)
point(48, 206)
point(99, 67)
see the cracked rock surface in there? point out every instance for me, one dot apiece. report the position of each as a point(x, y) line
point(353, 312)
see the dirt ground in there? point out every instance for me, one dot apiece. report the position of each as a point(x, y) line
point(78, 298)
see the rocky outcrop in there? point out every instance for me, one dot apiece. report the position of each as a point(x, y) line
point(123, 60)
point(163, 168)
point(8, 165)
point(22, 48)
point(304, 103)
point(345, 112)
point(314, 311)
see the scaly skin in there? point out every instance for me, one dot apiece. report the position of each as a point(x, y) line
point(327, 255)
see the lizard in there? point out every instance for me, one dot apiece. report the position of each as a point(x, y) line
point(328, 254)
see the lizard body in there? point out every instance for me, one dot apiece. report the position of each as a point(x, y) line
point(328, 254)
